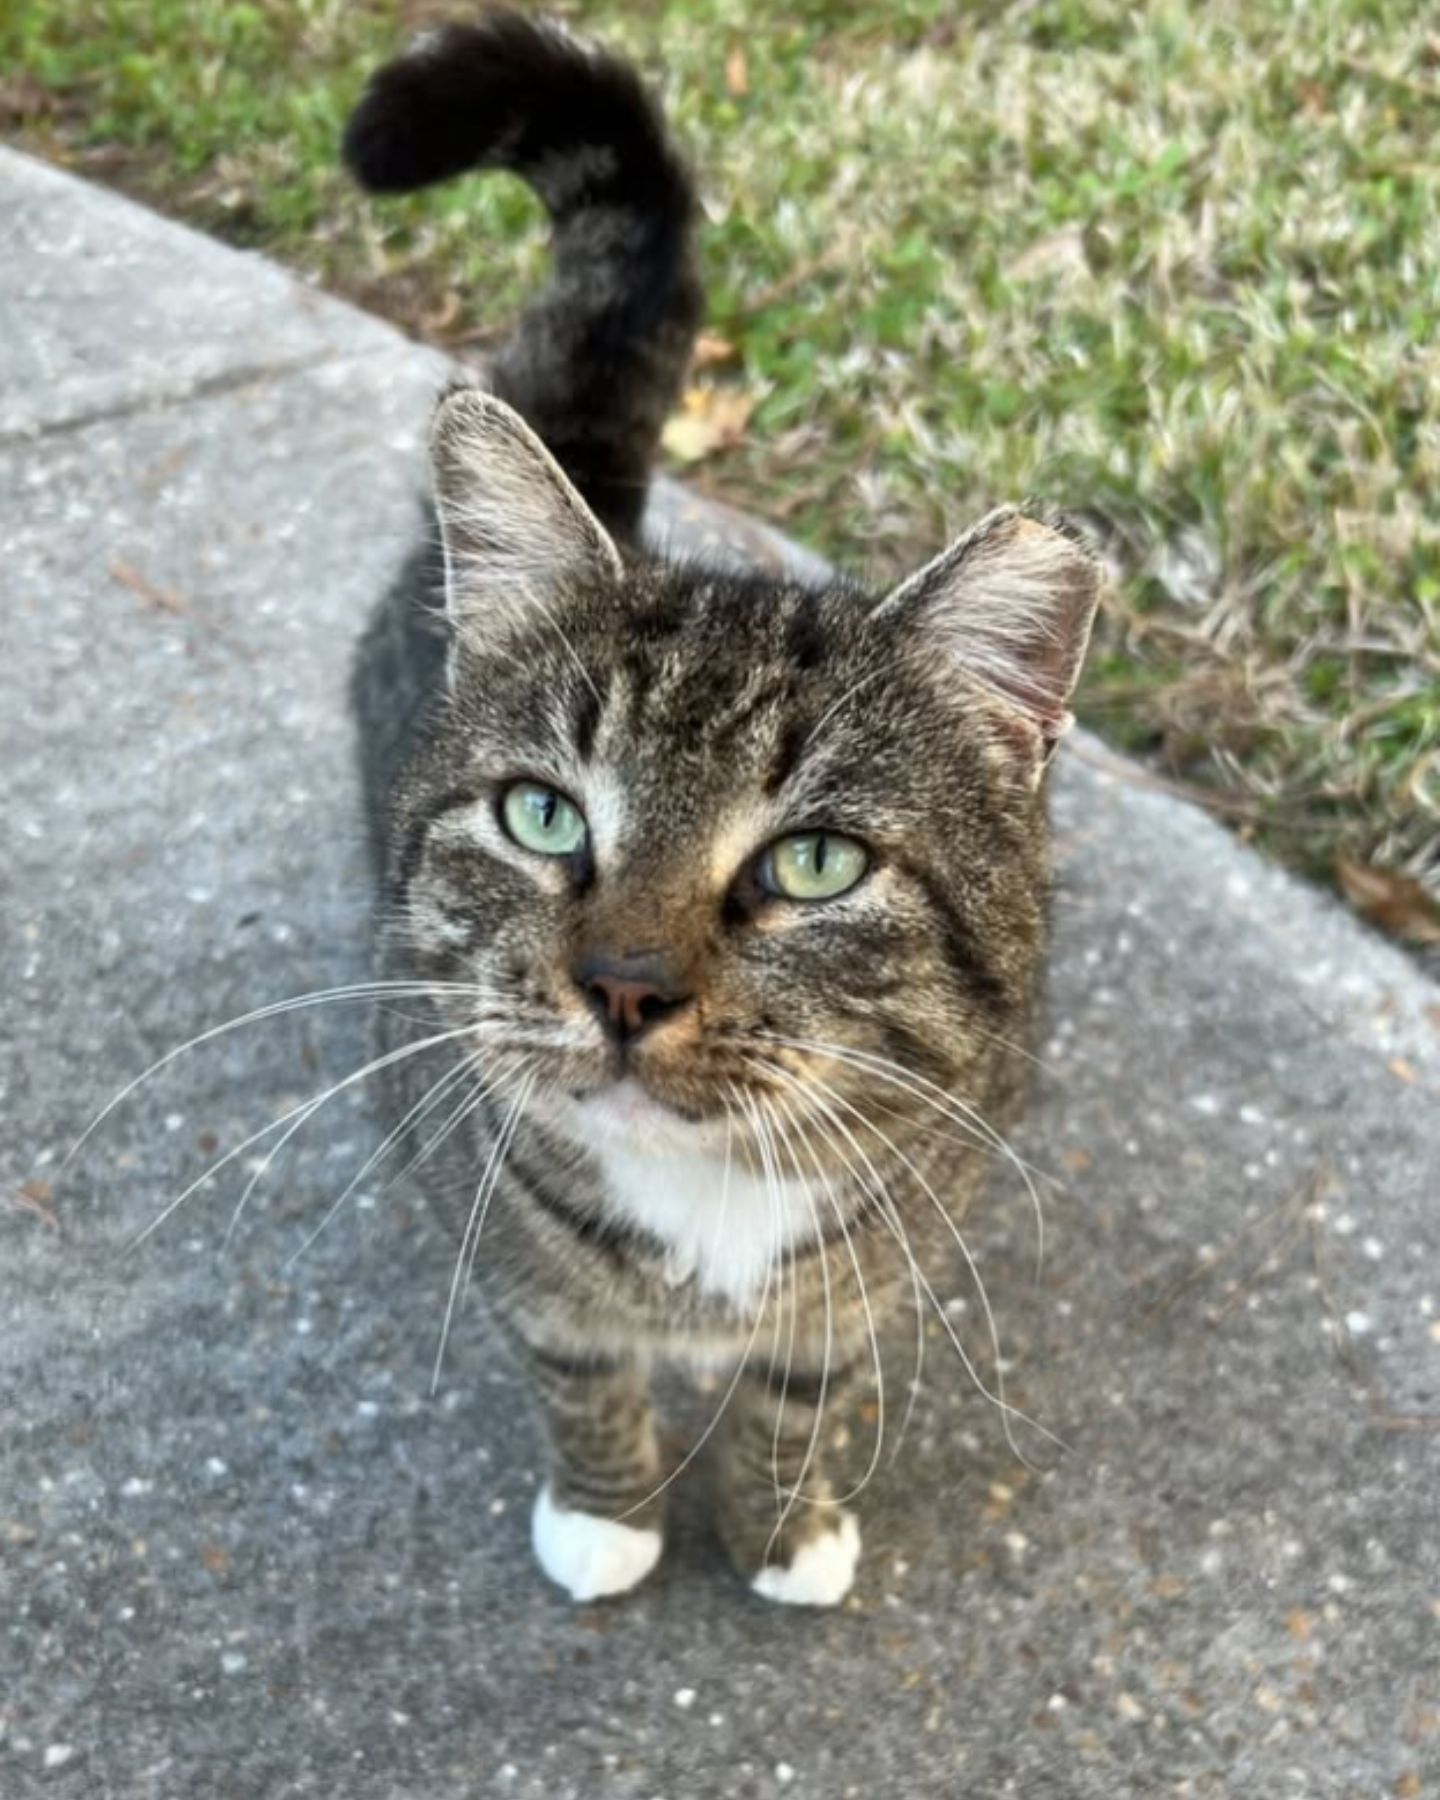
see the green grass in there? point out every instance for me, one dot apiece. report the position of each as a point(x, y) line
point(1175, 268)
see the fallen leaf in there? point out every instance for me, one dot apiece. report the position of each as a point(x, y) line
point(1314, 99)
point(23, 99)
point(150, 592)
point(1393, 901)
point(737, 73)
point(710, 419)
point(1402, 1070)
point(711, 350)
point(1059, 253)
point(438, 319)
point(766, 297)
point(34, 1197)
point(166, 600)
point(1407, 1786)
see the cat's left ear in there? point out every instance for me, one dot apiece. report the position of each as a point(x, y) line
point(517, 535)
point(1011, 605)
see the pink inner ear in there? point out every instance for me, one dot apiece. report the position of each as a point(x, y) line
point(1038, 682)
point(1032, 739)
point(1040, 687)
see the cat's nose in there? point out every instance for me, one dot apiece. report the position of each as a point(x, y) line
point(631, 991)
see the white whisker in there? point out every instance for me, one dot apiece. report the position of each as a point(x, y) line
point(475, 1223)
point(447, 1083)
point(773, 1184)
point(739, 1370)
point(467, 1106)
point(892, 1219)
point(301, 1113)
point(366, 990)
point(824, 1176)
point(797, 1492)
point(908, 1081)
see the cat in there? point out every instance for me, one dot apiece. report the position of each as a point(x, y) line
point(730, 892)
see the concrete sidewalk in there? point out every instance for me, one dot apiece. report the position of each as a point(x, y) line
point(244, 1553)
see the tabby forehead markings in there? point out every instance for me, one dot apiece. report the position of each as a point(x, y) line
point(609, 813)
point(428, 919)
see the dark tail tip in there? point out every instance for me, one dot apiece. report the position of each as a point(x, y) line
point(421, 118)
point(596, 360)
point(382, 147)
point(501, 92)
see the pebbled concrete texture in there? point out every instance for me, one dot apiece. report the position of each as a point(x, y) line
point(244, 1552)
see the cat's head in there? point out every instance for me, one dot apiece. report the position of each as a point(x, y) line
point(699, 838)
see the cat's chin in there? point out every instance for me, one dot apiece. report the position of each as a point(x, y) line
point(625, 1114)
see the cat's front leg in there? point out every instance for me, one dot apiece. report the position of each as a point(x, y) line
point(785, 1531)
point(597, 1523)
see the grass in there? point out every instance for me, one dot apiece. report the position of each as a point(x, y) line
point(1173, 267)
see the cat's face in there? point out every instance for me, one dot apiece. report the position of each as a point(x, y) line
point(697, 838)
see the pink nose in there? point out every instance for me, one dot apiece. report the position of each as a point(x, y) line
point(630, 992)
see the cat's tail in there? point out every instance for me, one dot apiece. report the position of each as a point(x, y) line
point(596, 362)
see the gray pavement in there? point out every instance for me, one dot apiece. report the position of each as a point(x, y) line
point(244, 1553)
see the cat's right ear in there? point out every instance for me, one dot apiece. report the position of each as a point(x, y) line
point(1009, 605)
point(517, 536)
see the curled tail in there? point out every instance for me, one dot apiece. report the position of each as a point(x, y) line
point(595, 363)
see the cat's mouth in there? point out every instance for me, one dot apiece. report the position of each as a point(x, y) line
point(628, 1114)
point(630, 1102)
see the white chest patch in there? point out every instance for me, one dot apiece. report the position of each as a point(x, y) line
point(726, 1228)
point(725, 1234)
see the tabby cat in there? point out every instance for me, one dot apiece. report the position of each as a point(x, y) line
point(729, 891)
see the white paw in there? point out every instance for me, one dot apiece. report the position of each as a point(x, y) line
point(590, 1557)
point(821, 1573)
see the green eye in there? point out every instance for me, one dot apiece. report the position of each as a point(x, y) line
point(542, 820)
point(813, 865)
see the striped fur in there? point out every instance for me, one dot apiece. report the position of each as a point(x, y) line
point(834, 1056)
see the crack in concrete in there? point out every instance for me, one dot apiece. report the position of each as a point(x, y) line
point(227, 381)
